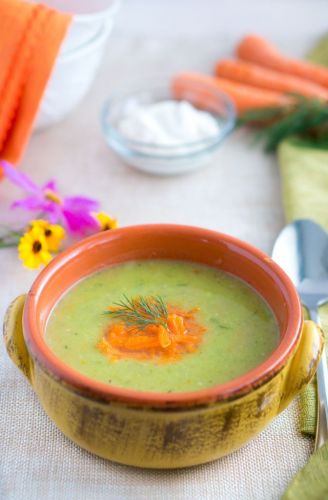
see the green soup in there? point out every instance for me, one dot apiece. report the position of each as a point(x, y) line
point(241, 330)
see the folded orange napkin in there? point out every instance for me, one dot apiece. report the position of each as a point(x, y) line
point(30, 38)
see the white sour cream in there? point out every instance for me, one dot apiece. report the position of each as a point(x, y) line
point(167, 123)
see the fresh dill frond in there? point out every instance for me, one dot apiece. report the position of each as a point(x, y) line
point(306, 118)
point(140, 312)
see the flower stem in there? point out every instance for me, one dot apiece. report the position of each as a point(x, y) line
point(11, 239)
point(8, 245)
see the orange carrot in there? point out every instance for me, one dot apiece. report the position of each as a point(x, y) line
point(183, 334)
point(252, 74)
point(118, 329)
point(140, 342)
point(176, 324)
point(259, 51)
point(244, 96)
point(186, 339)
point(163, 337)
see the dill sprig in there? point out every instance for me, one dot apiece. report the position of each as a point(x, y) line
point(306, 118)
point(140, 312)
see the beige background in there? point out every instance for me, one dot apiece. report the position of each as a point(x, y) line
point(238, 193)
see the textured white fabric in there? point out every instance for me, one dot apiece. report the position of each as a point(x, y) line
point(238, 193)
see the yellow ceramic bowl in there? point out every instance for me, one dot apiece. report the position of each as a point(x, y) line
point(154, 429)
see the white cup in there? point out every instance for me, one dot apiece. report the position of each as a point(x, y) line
point(89, 16)
point(72, 77)
point(78, 60)
point(87, 23)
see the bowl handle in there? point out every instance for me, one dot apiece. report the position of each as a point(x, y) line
point(304, 363)
point(14, 339)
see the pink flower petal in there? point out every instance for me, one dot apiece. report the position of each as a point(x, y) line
point(29, 203)
point(20, 179)
point(74, 212)
point(34, 204)
point(80, 222)
point(50, 186)
point(80, 203)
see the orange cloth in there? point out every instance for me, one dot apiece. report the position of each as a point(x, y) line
point(30, 38)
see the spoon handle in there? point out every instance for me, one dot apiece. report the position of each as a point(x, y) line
point(322, 393)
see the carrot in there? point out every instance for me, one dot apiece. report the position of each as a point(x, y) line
point(244, 96)
point(163, 337)
point(141, 342)
point(154, 341)
point(186, 339)
point(103, 345)
point(118, 329)
point(252, 74)
point(175, 324)
point(259, 51)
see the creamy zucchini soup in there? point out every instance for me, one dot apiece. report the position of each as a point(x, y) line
point(162, 325)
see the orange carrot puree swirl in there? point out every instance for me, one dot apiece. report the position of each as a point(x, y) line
point(147, 329)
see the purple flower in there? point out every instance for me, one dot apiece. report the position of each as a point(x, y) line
point(75, 212)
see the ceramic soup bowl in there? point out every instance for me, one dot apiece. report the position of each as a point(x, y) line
point(160, 430)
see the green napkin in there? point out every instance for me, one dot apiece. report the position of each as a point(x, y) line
point(304, 176)
point(319, 54)
point(311, 483)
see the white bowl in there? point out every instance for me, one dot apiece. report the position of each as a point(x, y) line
point(79, 57)
point(89, 17)
point(72, 77)
point(87, 22)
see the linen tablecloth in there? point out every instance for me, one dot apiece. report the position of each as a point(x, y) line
point(238, 193)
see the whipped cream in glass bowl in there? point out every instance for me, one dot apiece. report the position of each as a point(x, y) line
point(152, 130)
point(168, 123)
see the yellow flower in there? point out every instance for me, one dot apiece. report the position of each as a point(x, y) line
point(105, 221)
point(33, 249)
point(53, 233)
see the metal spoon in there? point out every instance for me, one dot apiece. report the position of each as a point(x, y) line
point(301, 249)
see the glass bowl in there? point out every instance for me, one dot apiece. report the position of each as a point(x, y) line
point(155, 158)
